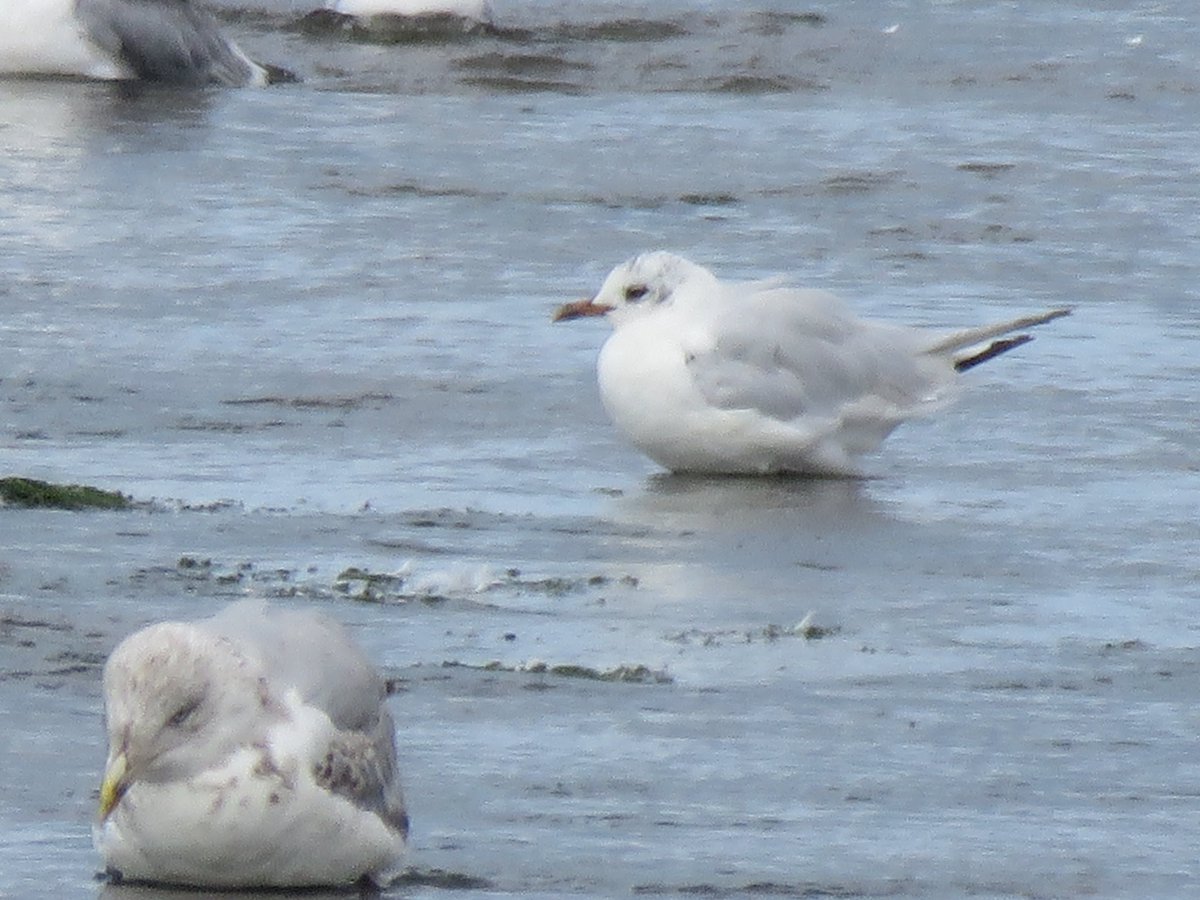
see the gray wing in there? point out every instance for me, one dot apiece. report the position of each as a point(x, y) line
point(312, 653)
point(316, 656)
point(791, 353)
point(361, 766)
point(166, 40)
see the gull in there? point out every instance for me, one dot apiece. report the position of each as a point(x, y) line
point(752, 378)
point(390, 20)
point(478, 10)
point(248, 750)
point(172, 41)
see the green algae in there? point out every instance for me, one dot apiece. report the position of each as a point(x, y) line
point(29, 493)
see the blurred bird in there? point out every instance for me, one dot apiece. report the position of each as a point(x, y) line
point(173, 41)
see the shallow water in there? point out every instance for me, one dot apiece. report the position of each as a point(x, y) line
point(310, 327)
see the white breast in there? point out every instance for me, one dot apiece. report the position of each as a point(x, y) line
point(43, 37)
point(258, 819)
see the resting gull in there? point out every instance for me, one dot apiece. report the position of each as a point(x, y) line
point(172, 41)
point(401, 20)
point(252, 749)
point(478, 10)
point(755, 378)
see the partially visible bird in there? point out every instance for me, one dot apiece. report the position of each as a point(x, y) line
point(172, 41)
point(400, 21)
point(252, 749)
point(720, 377)
point(477, 10)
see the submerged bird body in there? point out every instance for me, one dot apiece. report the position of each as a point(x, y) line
point(755, 378)
point(172, 41)
point(248, 750)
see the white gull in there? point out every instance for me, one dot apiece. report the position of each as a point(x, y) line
point(756, 378)
point(252, 749)
point(478, 10)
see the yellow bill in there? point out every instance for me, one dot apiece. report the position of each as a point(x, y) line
point(113, 788)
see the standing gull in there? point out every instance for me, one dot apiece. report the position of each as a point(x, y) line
point(252, 749)
point(756, 378)
point(172, 41)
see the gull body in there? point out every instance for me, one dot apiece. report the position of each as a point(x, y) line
point(480, 10)
point(248, 750)
point(750, 378)
point(172, 41)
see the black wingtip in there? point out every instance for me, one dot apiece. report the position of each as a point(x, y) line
point(994, 349)
point(278, 74)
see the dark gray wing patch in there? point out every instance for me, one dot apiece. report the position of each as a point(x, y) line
point(165, 40)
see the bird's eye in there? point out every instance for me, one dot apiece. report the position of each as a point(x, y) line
point(636, 292)
point(184, 713)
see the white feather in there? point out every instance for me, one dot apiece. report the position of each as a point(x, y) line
point(44, 37)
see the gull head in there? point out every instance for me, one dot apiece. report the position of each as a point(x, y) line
point(170, 693)
point(642, 285)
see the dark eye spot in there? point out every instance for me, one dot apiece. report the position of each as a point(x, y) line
point(636, 292)
point(184, 713)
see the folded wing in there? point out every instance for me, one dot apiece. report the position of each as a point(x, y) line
point(166, 40)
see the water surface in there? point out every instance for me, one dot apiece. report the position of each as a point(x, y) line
point(309, 327)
